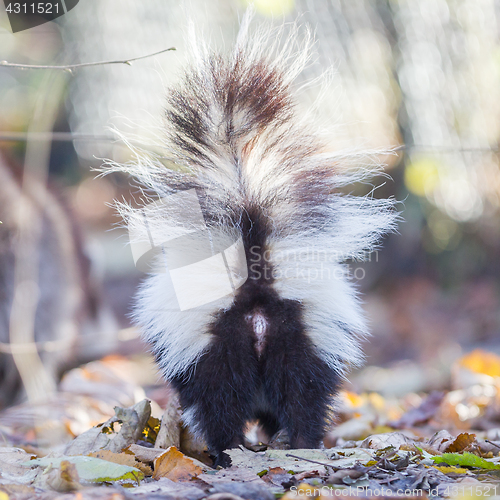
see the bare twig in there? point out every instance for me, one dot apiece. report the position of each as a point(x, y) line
point(314, 461)
point(491, 442)
point(71, 67)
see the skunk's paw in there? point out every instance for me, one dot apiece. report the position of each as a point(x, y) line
point(222, 459)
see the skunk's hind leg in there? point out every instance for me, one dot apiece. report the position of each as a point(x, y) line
point(216, 394)
point(299, 385)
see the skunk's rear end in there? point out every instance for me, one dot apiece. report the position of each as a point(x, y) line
point(275, 347)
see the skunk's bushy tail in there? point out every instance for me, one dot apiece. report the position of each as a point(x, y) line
point(233, 134)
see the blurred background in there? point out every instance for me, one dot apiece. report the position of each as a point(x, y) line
point(421, 77)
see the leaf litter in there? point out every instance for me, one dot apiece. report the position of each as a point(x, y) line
point(419, 446)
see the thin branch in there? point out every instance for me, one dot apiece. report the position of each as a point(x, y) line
point(314, 461)
point(71, 67)
point(491, 442)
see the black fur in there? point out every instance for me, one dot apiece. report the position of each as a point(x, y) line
point(288, 385)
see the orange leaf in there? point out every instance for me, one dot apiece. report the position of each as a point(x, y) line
point(462, 442)
point(480, 361)
point(175, 466)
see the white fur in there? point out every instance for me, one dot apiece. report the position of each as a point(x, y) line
point(264, 166)
point(182, 335)
point(191, 419)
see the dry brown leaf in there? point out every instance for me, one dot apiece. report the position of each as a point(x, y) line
point(146, 455)
point(170, 427)
point(308, 474)
point(441, 440)
point(104, 436)
point(175, 466)
point(122, 459)
point(461, 443)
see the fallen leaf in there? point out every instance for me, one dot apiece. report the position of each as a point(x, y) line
point(175, 466)
point(467, 459)
point(146, 455)
point(462, 442)
point(13, 465)
point(92, 469)
point(122, 459)
point(441, 440)
point(103, 436)
point(308, 474)
point(169, 432)
point(446, 469)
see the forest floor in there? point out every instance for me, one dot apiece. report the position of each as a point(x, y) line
point(111, 432)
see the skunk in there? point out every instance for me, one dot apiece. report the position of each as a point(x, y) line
point(265, 323)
